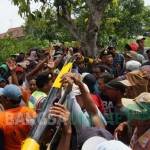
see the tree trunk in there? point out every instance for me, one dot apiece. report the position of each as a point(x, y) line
point(96, 12)
point(88, 39)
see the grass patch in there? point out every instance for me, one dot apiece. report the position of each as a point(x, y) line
point(147, 42)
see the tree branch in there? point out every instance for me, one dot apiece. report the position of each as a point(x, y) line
point(69, 24)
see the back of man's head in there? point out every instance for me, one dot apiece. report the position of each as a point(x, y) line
point(42, 79)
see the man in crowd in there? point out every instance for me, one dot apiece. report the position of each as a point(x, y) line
point(148, 56)
point(118, 61)
point(107, 60)
point(80, 114)
point(14, 120)
point(111, 95)
point(43, 83)
point(137, 111)
point(141, 43)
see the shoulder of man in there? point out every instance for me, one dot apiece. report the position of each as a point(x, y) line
point(80, 135)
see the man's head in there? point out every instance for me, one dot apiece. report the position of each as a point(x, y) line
point(115, 90)
point(11, 96)
point(90, 81)
point(106, 57)
point(104, 79)
point(112, 50)
point(20, 57)
point(97, 70)
point(33, 54)
point(140, 40)
point(137, 109)
point(32, 85)
point(44, 82)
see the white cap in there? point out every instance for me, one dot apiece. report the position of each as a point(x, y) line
point(140, 37)
point(99, 143)
point(112, 145)
point(133, 65)
point(92, 143)
point(84, 75)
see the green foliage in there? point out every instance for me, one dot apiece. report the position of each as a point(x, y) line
point(12, 46)
point(126, 20)
point(123, 19)
point(147, 42)
point(146, 17)
point(44, 25)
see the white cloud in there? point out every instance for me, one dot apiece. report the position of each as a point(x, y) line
point(9, 16)
point(147, 2)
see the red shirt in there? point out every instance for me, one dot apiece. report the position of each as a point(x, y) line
point(98, 101)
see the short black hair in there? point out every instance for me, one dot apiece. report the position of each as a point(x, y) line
point(106, 77)
point(116, 85)
point(42, 79)
point(101, 67)
point(90, 81)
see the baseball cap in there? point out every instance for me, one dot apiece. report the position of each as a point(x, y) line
point(104, 53)
point(99, 143)
point(13, 92)
point(138, 108)
point(133, 65)
point(137, 77)
point(126, 82)
point(116, 85)
point(83, 75)
point(140, 37)
point(110, 47)
point(92, 142)
point(4, 67)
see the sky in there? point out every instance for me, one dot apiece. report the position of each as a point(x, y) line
point(9, 17)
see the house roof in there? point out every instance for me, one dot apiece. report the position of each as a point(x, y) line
point(14, 33)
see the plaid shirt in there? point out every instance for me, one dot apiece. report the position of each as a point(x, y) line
point(141, 143)
point(118, 65)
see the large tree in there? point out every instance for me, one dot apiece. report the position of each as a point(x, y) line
point(124, 21)
point(68, 12)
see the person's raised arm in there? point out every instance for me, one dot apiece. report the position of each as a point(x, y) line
point(36, 69)
point(87, 100)
point(12, 67)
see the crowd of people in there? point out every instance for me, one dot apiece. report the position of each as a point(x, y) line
point(108, 107)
